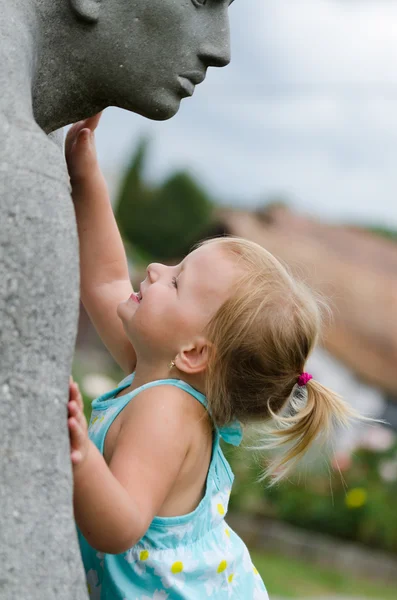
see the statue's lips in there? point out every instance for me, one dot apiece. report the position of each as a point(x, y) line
point(186, 85)
point(189, 81)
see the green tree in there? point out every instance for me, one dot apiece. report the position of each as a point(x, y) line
point(163, 221)
point(386, 232)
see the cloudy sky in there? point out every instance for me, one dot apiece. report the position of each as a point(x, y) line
point(306, 110)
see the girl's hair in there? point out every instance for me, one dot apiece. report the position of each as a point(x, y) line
point(261, 338)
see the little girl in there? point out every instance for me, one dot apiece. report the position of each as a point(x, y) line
point(215, 342)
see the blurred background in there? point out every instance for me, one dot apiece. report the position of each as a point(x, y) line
point(293, 146)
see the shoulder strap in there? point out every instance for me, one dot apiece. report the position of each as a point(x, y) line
point(175, 382)
point(231, 433)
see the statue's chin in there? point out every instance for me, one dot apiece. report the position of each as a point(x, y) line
point(156, 110)
point(162, 114)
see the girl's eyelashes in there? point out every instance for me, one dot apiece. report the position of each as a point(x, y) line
point(175, 282)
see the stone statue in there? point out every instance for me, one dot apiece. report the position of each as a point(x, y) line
point(61, 61)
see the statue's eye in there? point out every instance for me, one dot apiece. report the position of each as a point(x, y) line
point(199, 2)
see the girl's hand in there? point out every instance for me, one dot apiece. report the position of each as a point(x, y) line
point(77, 424)
point(80, 151)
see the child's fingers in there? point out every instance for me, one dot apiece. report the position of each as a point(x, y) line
point(74, 132)
point(76, 433)
point(75, 411)
point(77, 424)
point(76, 456)
point(84, 148)
point(75, 394)
point(82, 140)
point(72, 135)
point(72, 390)
point(92, 122)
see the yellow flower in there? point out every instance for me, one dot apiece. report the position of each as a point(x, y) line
point(177, 567)
point(356, 497)
point(144, 555)
point(230, 578)
point(220, 509)
point(222, 566)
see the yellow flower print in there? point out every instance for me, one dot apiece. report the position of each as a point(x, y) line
point(94, 589)
point(177, 567)
point(222, 566)
point(232, 583)
point(139, 558)
point(219, 504)
point(227, 537)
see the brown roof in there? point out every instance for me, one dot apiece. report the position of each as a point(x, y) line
point(355, 270)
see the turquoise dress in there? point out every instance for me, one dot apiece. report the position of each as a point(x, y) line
point(191, 557)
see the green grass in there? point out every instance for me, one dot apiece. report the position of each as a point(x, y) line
point(291, 578)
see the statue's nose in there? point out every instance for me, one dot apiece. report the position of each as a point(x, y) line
point(218, 59)
point(215, 50)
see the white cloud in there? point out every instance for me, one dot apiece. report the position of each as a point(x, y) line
point(308, 108)
point(336, 41)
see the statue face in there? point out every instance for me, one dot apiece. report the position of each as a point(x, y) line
point(153, 52)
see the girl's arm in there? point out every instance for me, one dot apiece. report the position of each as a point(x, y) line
point(104, 273)
point(114, 505)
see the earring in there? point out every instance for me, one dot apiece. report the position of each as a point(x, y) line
point(171, 365)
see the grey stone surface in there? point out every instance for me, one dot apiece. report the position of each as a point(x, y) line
point(60, 61)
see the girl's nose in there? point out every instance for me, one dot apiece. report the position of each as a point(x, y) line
point(154, 271)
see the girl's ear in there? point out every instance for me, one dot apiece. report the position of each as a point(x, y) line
point(86, 10)
point(194, 358)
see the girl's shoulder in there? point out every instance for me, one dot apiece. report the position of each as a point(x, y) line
point(154, 445)
point(166, 403)
point(169, 384)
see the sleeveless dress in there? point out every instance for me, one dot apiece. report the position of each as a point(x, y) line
point(191, 557)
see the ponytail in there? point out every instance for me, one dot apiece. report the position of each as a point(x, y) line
point(261, 338)
point(312, 415)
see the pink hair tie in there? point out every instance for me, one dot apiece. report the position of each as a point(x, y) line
point(304, 379)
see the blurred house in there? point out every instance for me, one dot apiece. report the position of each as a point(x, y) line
point(356, 273)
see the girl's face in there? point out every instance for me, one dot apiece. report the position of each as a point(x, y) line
point(176, 303)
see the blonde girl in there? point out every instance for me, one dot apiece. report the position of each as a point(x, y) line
point(215, 342)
